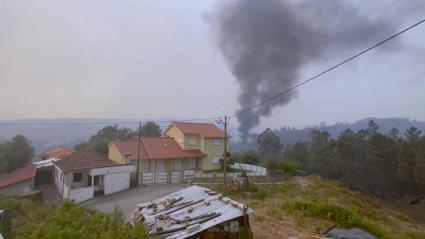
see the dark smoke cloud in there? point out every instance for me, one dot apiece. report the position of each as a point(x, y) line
point(266, 43)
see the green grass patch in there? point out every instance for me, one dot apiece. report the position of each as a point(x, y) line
point(342, 216)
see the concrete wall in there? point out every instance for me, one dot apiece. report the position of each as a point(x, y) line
point(111, 170)
point(150, 166)
point(116, 182)
point(80, 194)
point(114, 154)
point(58, 182)
point(18, 188)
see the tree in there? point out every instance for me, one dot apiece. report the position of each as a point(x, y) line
point(297, 153)
point(372, 128)
point(320, 150)
point(419, 170)
point(81, 146)
point(406, 163)
point(408, 155)
point(394, 132)
point(15, 154)
point(412, 135)
point(107, 134)
point(150, 129)
point(382, 156)
point(269, 143)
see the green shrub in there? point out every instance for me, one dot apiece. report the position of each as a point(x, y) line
point(67, 221)
point(288, 167)
point(342, 216)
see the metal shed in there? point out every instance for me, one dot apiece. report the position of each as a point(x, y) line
point(194, 212)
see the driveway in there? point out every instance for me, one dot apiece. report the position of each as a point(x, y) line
point(126, 201)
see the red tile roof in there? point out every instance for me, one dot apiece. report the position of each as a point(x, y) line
point(58, 152)
point(84, 159)
point(202, 129)
point(156, 148)
point(18, 176)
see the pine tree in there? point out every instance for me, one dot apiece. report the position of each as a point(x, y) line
point(419, 170)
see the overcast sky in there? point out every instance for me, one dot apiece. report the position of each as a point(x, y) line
point(159, 59)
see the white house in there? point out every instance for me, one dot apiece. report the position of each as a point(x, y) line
point(87, 174)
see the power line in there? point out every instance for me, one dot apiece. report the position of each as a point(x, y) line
point(11, 123)
point(327, 70)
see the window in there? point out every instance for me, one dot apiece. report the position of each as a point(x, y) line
point(191, 141)
point(77, 177)
point(216, 160)
point(192, 163)
point(127, 158)
point(217, 142)
point(98, 180)
point(177, 164)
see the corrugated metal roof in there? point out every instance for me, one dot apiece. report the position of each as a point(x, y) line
point(187, 212)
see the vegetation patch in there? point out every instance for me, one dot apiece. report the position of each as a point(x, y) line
point(343, 217)
point(306, 206)
point(35, 220)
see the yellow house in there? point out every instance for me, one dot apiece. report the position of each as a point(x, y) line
point(207, 138)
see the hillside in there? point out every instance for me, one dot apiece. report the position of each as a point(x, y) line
point(290, 135)
point(306, 206)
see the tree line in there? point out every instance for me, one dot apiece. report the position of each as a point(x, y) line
point(386, 165)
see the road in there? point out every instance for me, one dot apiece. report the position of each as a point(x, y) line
point(126, 201)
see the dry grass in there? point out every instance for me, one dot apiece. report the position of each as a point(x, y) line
point(304, 207)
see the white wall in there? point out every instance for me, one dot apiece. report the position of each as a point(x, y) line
point(81, 194)
point(116, 182)
point(111, 170)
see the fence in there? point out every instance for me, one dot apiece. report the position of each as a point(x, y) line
point(256, 174)
point(253, 170)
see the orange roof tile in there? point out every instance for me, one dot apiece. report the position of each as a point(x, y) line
point(202, 129)
point(156, 148)
point(18, 175)
point(58, 152)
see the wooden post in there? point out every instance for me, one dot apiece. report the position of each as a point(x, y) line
point(225, 152)
point(138, 154)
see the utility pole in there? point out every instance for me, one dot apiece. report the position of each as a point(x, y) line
point(138, 154)
point(225, 152)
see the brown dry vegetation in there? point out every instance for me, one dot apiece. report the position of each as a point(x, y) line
point(304, 207)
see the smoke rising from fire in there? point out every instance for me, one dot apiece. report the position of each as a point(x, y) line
point(266, 43)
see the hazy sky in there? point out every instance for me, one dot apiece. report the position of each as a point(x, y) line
point(159, 59)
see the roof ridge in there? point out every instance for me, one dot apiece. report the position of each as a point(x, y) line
point(146, 149)
point(182, 122)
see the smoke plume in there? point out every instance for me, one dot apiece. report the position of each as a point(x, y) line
point(265, 44)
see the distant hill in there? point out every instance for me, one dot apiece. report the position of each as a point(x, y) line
point(290, 135)
point(48, 133)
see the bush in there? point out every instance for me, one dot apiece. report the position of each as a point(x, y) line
point(35, 220)
point(342, 216)
point(288, 167)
